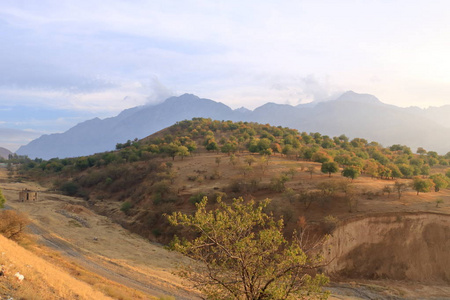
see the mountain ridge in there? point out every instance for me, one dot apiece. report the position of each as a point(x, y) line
point(352, 114)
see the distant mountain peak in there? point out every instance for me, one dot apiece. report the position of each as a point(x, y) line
point(243, 110)
point(360, 98)
point(183, 98)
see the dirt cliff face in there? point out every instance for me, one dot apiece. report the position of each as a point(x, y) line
point(396, 246)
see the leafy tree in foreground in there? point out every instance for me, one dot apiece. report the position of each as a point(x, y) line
point(243, 254)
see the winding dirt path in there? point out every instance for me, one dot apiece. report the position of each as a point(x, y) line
point(125, 277)
point(102, 247)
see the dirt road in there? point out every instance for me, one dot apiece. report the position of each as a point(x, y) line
point(101, 246)
point(122, 276)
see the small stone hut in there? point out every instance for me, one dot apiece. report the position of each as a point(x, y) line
point(27, 195)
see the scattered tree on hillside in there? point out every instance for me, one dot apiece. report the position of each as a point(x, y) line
point(422, 185)
point(183, 152)
point(218, 160)
point(171, 150)
point(311, 170)
point(330, 167)
point(244, 254)
point(233, 160)
point(211, 145)
point(277, 183)
point(387, 189)
point(440, 182)
point(400, 187)
point(351, 172)
point(250, 160)
point(264, 163)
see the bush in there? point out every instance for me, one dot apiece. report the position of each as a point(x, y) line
point(126, 206)
point(13, 224)
point(70, 188)
point(196, 198)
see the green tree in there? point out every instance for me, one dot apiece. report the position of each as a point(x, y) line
point(171, 150)
point(244, 254)
point(182, 152)
point(422, 185)
point(211, 145)
point(440, 181)
point(351, 172)
point(395, 171)
point(421, 151)
point(2, 199)
point(277, 183)
point(330, 167)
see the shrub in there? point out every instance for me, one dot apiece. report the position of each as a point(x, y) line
point(126, 206)
point(13, 224)
point(70, 188)
point(196, 198)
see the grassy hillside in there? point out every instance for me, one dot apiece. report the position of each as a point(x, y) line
point(42, 279)
point(303, 174)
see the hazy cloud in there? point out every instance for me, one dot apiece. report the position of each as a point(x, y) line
point(98, 59)
point(12, 139)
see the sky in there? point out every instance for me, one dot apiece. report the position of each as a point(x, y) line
point(63, 62)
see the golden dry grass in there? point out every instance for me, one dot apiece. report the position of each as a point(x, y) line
point(42, 279)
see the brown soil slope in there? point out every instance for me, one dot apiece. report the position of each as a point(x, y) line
point(412, 246)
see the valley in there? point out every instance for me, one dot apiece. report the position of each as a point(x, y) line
point(376, 217)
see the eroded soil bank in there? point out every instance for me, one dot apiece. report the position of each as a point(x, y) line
point(413, 246)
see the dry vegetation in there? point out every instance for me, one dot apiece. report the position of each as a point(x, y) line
point(43, 280)
point(143, 180)
point(172, 169)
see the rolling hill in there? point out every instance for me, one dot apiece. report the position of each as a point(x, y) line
point(352, 114)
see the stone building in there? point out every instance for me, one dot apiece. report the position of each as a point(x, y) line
point(28, 195)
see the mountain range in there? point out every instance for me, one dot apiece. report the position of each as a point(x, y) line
point(352, 114)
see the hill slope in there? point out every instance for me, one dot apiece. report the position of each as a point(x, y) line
point(42, 279)
point(4, 152)
point(352, 114)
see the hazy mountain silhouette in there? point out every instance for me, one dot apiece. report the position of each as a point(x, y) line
point(4, 152)
point(352, 114)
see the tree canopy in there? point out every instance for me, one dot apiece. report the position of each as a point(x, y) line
point(244, 255)
point(422, 185)
point(330, 167)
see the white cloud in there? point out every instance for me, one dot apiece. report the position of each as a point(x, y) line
point(88, 55)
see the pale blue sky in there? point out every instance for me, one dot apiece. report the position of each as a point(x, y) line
point(66, 61)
